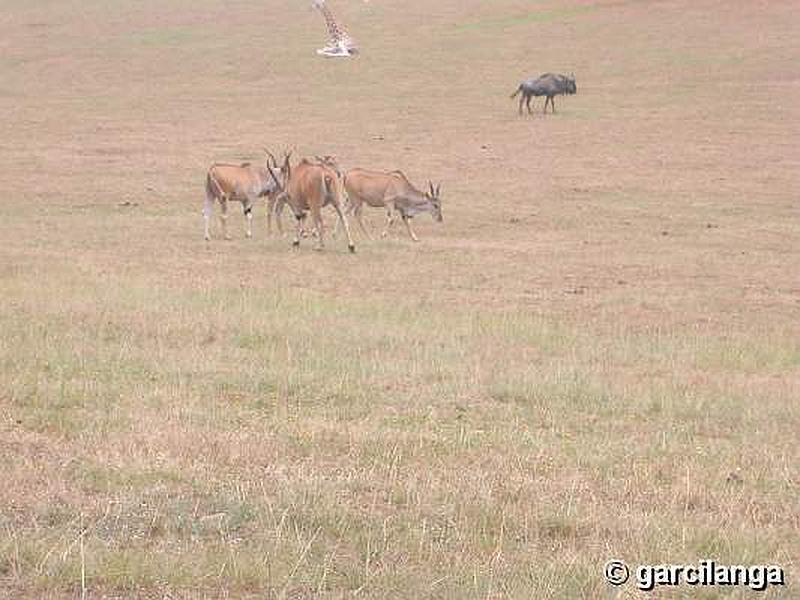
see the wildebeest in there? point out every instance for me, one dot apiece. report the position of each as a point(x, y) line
point(243, 183)
point(392, 191)
point(308, 187)
point(549, 85)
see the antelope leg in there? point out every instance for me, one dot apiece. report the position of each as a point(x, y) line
point(407, 222)
point(344, 223)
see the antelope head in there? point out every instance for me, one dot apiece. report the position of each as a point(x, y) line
point(330, 162)
point(436, 203)
point(272, 167)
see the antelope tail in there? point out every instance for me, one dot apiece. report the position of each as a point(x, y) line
point(328, 186)
point(519, 89)
point(213, 188)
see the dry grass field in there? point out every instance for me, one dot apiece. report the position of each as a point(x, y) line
point(596, 355)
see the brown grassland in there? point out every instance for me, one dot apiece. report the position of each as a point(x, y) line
point(595, 355)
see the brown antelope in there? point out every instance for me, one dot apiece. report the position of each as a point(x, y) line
point(308, 187)
point(278, 201)
point(243, 183)
point(392, 191)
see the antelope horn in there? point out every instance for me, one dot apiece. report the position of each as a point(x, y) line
point(287, 165)
point(271, 157)
point(274, 177)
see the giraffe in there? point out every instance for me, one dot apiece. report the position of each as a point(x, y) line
point(340, 43)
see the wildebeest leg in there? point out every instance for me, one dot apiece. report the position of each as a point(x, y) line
point(521, 100)
point(528, 104)
point(223, 218)
point(351, 246)
point(407, 221)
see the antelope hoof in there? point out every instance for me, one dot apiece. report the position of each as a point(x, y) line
point(352, 248)
point(296, 243)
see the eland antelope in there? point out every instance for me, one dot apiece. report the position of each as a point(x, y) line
point(393, 192)
point(243, 183)
point(278, 201)
point(308, 187)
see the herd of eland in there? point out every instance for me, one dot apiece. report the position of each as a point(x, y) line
point(310, 185)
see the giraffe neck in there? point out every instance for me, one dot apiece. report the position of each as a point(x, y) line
point(333, 27)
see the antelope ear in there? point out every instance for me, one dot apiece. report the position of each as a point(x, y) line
point(438, 188)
